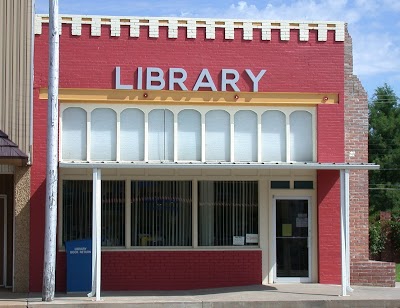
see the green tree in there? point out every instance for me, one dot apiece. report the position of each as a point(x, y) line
point(384, 149)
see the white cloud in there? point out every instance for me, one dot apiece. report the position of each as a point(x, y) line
point(376, 53)
point(392, 5)
point(297, 10)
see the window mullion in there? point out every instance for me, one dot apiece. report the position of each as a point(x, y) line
point(232, 136)
point(146, 137)
point(195, 205)
point(288, 138)
point(176, 140)
point(128, 216)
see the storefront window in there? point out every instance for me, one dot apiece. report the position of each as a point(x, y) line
point(228, 213)
point(74, 134)
point(161, 213)
point(103, 134)
point(217, 136)
point(132, 135)
point(161, 135)
point(189, 135)
point(180, 134)
point(273, 136)
point(77, 211)
point(301, 140)
point(245, 136)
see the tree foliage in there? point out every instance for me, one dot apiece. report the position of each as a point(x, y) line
point(384, 149)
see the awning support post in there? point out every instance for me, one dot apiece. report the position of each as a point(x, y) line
point(96, 235)
point(345, 229)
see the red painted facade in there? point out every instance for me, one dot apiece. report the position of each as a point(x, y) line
point(292, 66)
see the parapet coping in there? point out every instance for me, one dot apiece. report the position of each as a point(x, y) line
point(192, 24)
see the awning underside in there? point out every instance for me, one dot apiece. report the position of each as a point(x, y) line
point(219, 165)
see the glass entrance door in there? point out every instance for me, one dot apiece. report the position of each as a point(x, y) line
point(292, 246)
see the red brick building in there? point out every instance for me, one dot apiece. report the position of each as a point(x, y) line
point(225, 150)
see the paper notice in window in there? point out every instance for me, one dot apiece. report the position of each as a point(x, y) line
point(251, 238)
point(301, 222)
point(286, 230)
point(238, 240)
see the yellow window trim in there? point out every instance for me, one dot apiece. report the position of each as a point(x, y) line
point(165, 97)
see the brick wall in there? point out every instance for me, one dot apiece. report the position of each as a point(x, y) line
point(373, 273)
point(356, 150)
point(171, 270)
point(329, 253)
point(292, 66)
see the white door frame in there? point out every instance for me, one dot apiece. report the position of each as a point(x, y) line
point(309, 241)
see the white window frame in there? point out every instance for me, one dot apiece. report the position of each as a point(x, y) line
point(128, 179)
point(175, 109)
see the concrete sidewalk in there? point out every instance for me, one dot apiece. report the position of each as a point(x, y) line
point(277, 295)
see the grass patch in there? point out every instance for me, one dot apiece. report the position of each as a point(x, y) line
point(398, 272)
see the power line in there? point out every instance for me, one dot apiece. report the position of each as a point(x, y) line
point(383, 188)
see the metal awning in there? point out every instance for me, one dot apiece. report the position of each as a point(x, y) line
point(10, 154)
point(219, 165)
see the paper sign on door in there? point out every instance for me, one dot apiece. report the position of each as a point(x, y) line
point(286, 229)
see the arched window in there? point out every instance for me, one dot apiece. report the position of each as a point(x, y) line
point(245, 136)
point(189, 135)
point(273, 136)
point(103, 134)
point(301, 141)
point(132, 134)
point(217, 136)
point(74, 134)
point(161, 135)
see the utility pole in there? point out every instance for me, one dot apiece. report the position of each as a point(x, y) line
point(50, 239)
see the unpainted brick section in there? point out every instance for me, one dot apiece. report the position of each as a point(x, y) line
point(363, 272)
point(373, 273)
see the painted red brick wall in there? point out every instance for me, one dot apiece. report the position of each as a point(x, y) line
point(180, 270)
point(329, 253)
point(38, 193)
point(166, 270)
point(89, 62)
point(292, 66)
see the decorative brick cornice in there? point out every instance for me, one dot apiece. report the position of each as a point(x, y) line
point(191, 24)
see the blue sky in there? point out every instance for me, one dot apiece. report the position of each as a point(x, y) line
point(373, 24)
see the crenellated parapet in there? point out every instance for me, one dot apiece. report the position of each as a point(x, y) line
point(192, 24)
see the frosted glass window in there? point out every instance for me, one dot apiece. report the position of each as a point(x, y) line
point(161, 135)
point(103, 134)
point(245, 136)
point(217, 135)
point(273, 136)
point(189, 135)
point(132, 134)
point(301, 143)
point(74, 134)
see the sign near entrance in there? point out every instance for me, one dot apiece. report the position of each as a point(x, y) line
point(301, 220)
point(251, 238)
point(238, 240)
point(156, 80)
